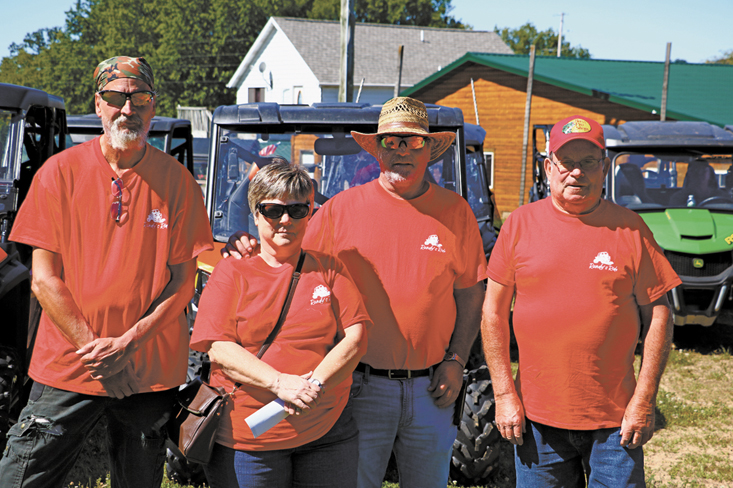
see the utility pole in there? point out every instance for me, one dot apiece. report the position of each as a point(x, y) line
point(665, 84)
point(346, 70)
point(397, 87)
point(559, 37)
point(527, 112)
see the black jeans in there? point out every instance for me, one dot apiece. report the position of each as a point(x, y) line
point(50, 434)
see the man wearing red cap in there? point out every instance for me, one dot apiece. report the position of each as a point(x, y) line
point(588, 281)
point(115, 226)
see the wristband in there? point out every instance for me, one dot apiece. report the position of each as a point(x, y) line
point(451, 356)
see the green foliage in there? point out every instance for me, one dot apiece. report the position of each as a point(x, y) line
point(520, 39)
point(194, 46)
point(726, 58)
point(429, 13)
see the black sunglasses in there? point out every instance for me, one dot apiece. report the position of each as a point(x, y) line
point(276, 210)
point(119, 99)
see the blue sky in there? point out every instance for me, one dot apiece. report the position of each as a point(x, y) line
point(635, 30)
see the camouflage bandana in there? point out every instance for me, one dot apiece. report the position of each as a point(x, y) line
point(123, 67)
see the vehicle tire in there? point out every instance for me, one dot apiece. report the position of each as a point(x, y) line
point(10, 390)
point(178, 468)
point(477, 446)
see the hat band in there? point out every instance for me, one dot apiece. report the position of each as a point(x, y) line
point(401, 127)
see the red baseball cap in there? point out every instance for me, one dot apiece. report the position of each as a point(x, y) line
point(576, 127)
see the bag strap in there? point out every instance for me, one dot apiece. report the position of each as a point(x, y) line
point(283, 313)
point(286, 307)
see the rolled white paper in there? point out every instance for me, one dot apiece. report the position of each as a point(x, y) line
point(266, 417)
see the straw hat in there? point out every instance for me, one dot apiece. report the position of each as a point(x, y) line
point(404, 116)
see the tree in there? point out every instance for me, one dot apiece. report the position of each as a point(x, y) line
point(194, 46)
point(519, 40)
point(428, 13)
point(725, 58)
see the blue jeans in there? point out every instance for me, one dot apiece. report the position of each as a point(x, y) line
point(400, 416)
point(551, 457)
point(44, 444)
point(328, 462)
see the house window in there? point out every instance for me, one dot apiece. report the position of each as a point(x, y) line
point(298, 95)
point(256, 95)
point(489, 161)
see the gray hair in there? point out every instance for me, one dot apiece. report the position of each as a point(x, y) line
point(279, 180)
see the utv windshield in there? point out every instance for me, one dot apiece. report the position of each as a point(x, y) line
point(8, 135)
point(678, 180)
point(335, 161)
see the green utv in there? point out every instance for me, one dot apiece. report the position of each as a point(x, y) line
point(679, 177)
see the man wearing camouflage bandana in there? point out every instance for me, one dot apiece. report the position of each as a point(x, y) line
point(115, 226)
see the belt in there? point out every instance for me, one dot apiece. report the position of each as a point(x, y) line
point(394, 374)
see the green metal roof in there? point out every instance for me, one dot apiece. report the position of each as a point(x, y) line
point(696, 91)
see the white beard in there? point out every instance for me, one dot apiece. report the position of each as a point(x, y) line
point(123, 138)
point(394, 178)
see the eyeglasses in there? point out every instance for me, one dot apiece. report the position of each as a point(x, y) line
point(587, 164)
point(276, 210)
point(119, 99)
point(115, 209)
point(412, 142)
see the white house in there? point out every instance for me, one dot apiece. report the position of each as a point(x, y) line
point(296, 61)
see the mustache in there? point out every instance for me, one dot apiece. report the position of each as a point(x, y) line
point(133, 119)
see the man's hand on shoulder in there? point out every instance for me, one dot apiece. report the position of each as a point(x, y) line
point(446, 383)
point(240, 245)
point(105, 357)
point(637, 427)
point(123, 384)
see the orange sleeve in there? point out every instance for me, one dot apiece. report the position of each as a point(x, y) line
point(216, 316)
point(191, 233)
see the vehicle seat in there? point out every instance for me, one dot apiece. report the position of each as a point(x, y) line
point(630, 183)
point(700, 182)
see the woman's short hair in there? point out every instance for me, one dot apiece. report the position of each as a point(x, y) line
point(279, 180)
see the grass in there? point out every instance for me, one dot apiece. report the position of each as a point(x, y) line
point(693, 442)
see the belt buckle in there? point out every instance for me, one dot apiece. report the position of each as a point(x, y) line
point(394, 376)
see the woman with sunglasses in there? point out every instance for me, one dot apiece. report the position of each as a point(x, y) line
point(309, 364)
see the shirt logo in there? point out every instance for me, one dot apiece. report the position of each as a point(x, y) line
point(603, 262)
point(156, 220)
point(321, 294)
point(432, 243)
point(576, 126)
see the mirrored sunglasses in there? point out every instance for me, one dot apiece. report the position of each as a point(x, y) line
point(115, 209)
point(412, 142)
point(276, 210)
point(119, 99)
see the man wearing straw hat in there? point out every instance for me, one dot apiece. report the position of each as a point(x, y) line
point(414, 250)
point(115, 226)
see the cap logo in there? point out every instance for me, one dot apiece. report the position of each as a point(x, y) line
point(576, 126)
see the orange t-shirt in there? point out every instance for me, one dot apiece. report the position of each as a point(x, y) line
point(579, 282)
point(406, 258)
point(113, 271)
point(242, 302)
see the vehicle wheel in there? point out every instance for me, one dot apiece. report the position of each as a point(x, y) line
point(477, 446)
point(10, 390)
